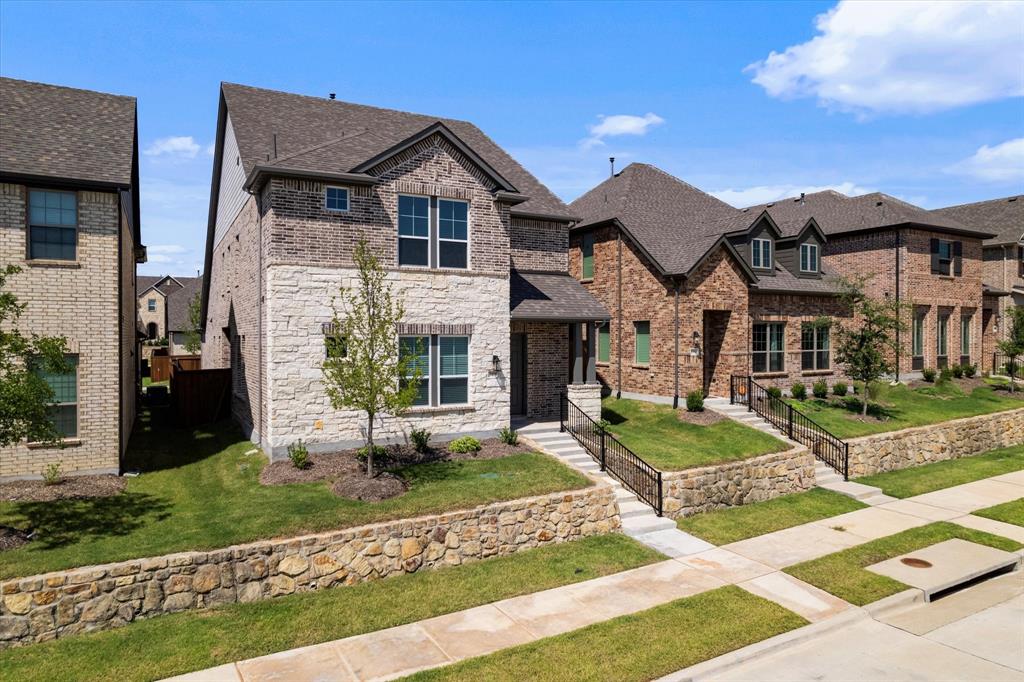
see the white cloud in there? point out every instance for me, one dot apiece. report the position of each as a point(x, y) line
point(1001, 163)
point(159, 258)
point(620, 124)
point(166, 248)
point(183, 147)
point(903, 57)
point(761, 194)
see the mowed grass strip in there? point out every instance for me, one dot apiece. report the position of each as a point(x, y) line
point(641, 646)
point(656, 433)
point(199, 490)
point(183, 642)
point(929, 477)
point(1009, 512)
point(843, 573)
point(739, 523)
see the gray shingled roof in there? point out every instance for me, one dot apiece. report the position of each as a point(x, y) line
point(552, 296)
point(322, 136)
point(784, 280)
point(178, 302)
point(675, 223)
point(1003, 217)
point(66, 133)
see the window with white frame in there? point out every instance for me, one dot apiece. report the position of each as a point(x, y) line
point(444, 365)
point(413, 231)
point(417, 349)
point(768, 347)
point(151, 305)
point(64, 408)
point(336, 199)
point(433, 232)
point(942, 335)
point(965, 339)
point(808, 258)
point(52, 225)
point(452, 234)
point(761, 253)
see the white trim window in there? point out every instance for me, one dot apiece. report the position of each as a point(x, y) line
point(452, 234)
point(418, 348)
point(761, 254)
point(413, 231)
point(453, 370)
point(52, 225)
point(808, 258)
point(768, 349)
point(151, 305)
point(64, 408)
point(336, 199)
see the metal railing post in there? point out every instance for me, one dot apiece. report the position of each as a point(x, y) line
point(750, 394)
point(660, 499)
point(846, 461)
point(562, 407)
point(789, 416)
point(603, 446)
point(732, 390)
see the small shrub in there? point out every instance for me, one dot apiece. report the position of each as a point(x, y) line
point(695, 401)
point(945, 374)
point(775, 391)
point(464, 444)
point(420, 440)
point(970, 371)
point(51, 474)
point(299, 455)
point(820, 389)
point(798, 391)
point(958, 371)
point(379, 451)
point(508, 436)
point(840, 388)
point(602, 426)
point(928, 373)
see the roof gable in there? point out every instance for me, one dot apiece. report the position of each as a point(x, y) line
point(1004, 218)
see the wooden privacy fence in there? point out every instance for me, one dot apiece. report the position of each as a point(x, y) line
point(159, 368)
point(198, 396)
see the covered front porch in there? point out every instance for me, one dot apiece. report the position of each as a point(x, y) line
point(553, 342)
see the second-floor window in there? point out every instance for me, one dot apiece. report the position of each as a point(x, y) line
point(414, 231)
point(453, 234)
point(587, 251)
point(946, 257)
point(336, 199)
point(444, 245)
point(761, 254)
point(151, 305)
point(768, 347)
point(642, 350)
point(808, 258)
point(52, 225)
point(1020, 261)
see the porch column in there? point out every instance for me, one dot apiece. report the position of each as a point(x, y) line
point(591, 352)
point(576, 338)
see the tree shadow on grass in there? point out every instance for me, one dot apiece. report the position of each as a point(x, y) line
point(158, 444)
point(59, 523)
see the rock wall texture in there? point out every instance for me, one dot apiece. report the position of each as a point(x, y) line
point(935, 442)
point(731, 484)
point(45, 607)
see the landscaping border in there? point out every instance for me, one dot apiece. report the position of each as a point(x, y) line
point(732, 484)
point(935, 442)
point(52, 605)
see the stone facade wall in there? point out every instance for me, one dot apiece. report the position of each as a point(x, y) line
point(299, 303)
point(158, 316)
point(78, 300)
point(587, 397)
point(732, 484)
point(53, 605)
point(935, 442)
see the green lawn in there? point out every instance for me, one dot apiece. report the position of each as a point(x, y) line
point(1009, 512)
point(183, 642)
point(928, 477)
point(656, 433)
point(147, 382)
point(641, 646)
point(739, 523)
point(843, 573)
point(900, 407)
point(201, 491)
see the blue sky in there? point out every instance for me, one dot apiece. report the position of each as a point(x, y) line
point(751, 101)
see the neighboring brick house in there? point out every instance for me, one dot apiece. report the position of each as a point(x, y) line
point(699, 290)
point(179, 320)
point(155, 312)
point(69, 217)
point(1002, 262)
point(473, 244)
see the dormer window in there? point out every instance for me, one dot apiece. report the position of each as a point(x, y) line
point(808, 258)
point(336, 199)
point(761, 254)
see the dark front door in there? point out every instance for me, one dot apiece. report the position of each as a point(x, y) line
point(517, 374)
point(715, 324)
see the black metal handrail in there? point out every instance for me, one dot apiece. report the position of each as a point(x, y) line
point(830, 449)
point(616, 459)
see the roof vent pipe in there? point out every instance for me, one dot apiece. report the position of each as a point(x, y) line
point(331, 96)
point(611, 161)
point(802, 195)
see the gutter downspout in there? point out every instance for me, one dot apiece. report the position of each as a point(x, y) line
point(618, 332)
point(120, 335)
point(675, 396)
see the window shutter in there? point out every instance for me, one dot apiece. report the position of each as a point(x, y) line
point(958, 267)
point(935, 256)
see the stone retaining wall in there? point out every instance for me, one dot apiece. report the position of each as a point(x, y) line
point(45, 607)
point(935, 442)
point(731, 484)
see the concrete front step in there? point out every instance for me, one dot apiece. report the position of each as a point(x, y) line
point(634, 508)
point(640, 525)
point(857, 491)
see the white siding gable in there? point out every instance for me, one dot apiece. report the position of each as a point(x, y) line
point(232, 177)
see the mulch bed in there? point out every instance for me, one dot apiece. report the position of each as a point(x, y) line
point(703, 418)
point(12, 538)
point(347, 473)
point(71, 487)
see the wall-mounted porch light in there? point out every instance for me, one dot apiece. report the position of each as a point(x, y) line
point(695, 350)
point(495, 365)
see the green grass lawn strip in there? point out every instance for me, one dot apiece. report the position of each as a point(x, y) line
point(928, 477)
point(178, 643)
point(201, 491)
point(1009, 512)
point(739, 523)
point(656, 433)
point(641, 646)
point(901, 407)
point(843, 573)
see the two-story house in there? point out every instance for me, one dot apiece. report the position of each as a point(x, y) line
point(157, 309)
point(473, 245)
point(69, 218)
point(1002, 261)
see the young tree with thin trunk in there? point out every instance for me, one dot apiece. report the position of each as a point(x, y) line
point(364, 369)
point(193, 335)
point(25, 396)
point(1013, 345)
point(866, 343)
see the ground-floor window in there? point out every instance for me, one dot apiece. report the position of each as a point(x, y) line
point(768, 348)
point(643, 342)
point(444, 363)
point(814, 346)
point(604, 343)
point(917, 340)
point(942, 338)
point(965, 339)
point(64, 409)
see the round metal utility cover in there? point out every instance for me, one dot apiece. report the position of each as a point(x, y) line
point(916, 563)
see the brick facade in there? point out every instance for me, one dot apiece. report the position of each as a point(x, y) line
point(91, 302)
point(1000, 270)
